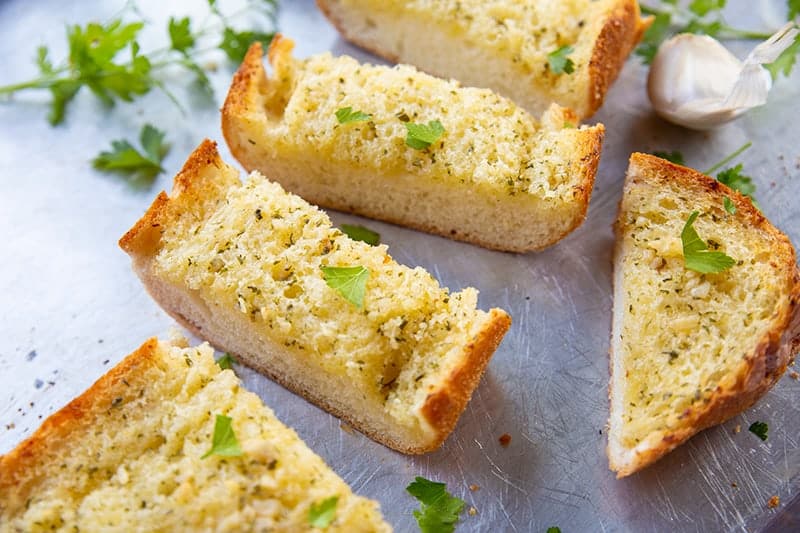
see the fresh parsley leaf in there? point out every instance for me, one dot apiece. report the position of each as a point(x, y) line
point(152, 140)
point(704, 7)
point(439, 510)
point(125, 159)
point(712, 28)
point(553, 529)
point(675, 157)
point(360, 233)
point(322, 514)
point(235, 43)
point(346, 114)
point(224, 442)
point(653, 37)
point(351, 282)
point(421, 136)
point(794, 8)
point(760, 429)
point(785, 61)
point(226, 361)
point(733, 178)
point(695, 251)
point(180, 34)
point(559, 62)
point(91, 58)
point(730, 207)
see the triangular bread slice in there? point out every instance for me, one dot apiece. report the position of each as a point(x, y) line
point(496, 176)
point(691, 350)
point(243, 265)
point(503, 45)
point(128, 455)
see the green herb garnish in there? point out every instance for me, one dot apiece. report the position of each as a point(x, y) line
point(226, 361)
point(322, 514)
point(235, 43)
point(346, 114)
point(559, 62)
point(695, 251)
point(759, 429)
point(729, 206)
point(421, 136)
point(106, 58)
point(553, 529)
point(224, 442)
point(673, 157)
point(786, 61)
point(125, 159)
point(733, 176)
point(700, 16)
point(351, 282)
point(439, 510)
point(737, 181)
point(360, 233)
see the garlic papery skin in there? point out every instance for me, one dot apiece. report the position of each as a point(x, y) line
point(696, 82)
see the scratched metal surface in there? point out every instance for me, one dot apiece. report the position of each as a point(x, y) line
point(71, 307)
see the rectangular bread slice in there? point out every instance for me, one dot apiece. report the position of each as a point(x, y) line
point(691, 350)
point(128, 455)
point(496, 177)
point(243, 265)
point(501, 44)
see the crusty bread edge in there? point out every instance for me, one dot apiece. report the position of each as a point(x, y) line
point(81, 412)
point(442, 407)
point(621, 32)
point(251, 77)
point(767, 361)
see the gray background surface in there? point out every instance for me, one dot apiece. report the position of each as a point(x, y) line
point(72, 308)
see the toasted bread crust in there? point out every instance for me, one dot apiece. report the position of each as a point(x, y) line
point(768, 360)
point(622, 30)
point(251, 79)
point(442, 408)
point(20, 468)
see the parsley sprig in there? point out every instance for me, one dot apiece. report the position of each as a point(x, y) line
point(759, 429)
point(439, 510)
point(700, 16)
point(320, 515)
point(421, 136)
point(224, 442)
point(349, 281)
point(360, 233)
point(559, 60)
point(106, 58)
point(696, 255)
point(346, 114)
point(141, 166)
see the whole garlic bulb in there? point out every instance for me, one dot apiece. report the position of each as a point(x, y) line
point(696, 82)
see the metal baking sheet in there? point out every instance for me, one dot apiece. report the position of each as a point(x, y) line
point(72, 307)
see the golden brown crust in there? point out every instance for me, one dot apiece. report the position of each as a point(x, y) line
point(454, 392)
point(143, 237)
point(621, 32)
point(767, 361)
point(443, 407)
point(24, 465)
point(251, 79)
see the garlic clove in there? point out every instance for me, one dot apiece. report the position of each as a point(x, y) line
point(697, 83)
